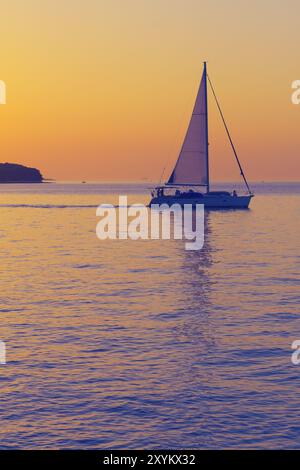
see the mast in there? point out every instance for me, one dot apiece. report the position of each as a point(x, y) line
point(206, 114)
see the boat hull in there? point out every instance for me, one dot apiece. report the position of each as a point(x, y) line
point(226, 201)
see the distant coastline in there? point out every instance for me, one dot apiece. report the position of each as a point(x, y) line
point(15, 173)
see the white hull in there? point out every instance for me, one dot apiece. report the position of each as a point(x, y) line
point(210, 201)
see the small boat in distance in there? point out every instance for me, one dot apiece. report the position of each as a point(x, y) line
point(191, 171)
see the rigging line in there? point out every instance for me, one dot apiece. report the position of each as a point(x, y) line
point(230, 140)
point(161, 176)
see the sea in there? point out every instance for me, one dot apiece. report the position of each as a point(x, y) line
point(142, 344)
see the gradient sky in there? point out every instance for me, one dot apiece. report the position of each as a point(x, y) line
point(103, 89)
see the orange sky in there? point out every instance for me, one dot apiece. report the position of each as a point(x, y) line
point(103, 89)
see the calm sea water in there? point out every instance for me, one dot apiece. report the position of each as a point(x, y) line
point(123, 344)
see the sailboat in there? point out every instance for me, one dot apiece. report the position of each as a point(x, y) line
point(189, 181)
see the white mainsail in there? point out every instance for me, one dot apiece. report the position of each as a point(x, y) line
point(192, 164)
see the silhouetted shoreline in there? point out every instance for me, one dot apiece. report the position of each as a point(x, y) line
point(15, 173)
